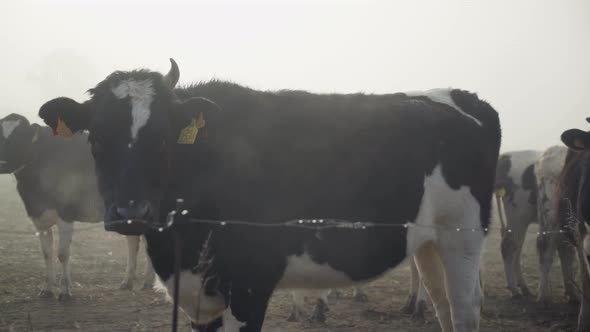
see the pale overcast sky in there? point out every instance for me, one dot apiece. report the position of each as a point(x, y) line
point(530, 59)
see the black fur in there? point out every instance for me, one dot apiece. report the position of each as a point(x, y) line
point(277, 156)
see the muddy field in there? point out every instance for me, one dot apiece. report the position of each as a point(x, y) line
point(98, 264)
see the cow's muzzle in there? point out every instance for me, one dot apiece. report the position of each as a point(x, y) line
point(132, 218)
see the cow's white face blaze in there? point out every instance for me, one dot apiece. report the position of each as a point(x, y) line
point(141, 94)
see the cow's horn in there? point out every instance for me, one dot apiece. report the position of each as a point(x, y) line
point(588, 119)
point(172, 77)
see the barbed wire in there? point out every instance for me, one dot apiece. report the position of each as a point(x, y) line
point(38, 233)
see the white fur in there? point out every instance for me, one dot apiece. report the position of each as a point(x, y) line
point(303, 272)
point(141, 94)
point(230, 322)
point(518, 213)
point(66, 232)
point(8, 127)
point(442, 210)
point(192, 298)
point(43, 224)
point(442, 96)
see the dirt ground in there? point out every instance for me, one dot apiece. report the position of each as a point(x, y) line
point(98, 265)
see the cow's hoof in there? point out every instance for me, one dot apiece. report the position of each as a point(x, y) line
point(46, 294)
point(410, 305)
point(126, 285)
point(360, 298)
point(64, 297)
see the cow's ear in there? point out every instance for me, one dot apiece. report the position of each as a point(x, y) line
point(193, 119)
point(66, 116)
point(576, 139)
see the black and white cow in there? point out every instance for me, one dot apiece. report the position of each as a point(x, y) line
point(573, 196)
point(427, 158)
point(515, 179)
point(527, 180)
point(547, 172)
point(56, 182)
point(515, 183)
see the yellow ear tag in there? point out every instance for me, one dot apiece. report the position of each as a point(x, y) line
point(36, 136)
point(62, 129)
point(188, 134)
point(501, 192)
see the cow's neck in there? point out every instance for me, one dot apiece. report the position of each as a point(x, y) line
point(160, 248)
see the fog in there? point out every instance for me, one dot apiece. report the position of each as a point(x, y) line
point(530, 59)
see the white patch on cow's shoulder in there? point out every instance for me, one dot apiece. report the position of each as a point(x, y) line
point(230, 322)
point(8, 127)
point(303, 272)
point(192, 298)
point(141, 94)
point(442, 211)
point(442, 96)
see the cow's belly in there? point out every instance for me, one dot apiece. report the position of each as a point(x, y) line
point(303, 272)
point(192, 300)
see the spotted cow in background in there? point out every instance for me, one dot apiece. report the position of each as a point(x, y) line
point(515, 183)
point(547, 172)
point(526, 182)
point(56, 182)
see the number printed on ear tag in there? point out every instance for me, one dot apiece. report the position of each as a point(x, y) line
point(188, 134)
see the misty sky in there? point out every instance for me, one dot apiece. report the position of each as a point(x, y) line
point(530, 59)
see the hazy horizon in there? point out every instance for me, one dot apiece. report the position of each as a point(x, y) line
point(529, 59)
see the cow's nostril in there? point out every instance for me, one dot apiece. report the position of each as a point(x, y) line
point(138, 210)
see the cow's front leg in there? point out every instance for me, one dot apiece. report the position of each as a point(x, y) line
point(46, 239)
point(132, 249)
point(43, 223)
point(66, 232)
point(150, 274)
point(246, 309)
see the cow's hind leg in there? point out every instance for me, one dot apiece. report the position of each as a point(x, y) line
point(511, 246)
point(410, 304)
point(133, 248)
point(546, 250)
point(433, 276)
point(569, 267)
point(66, 232)
point(460, 253)
point(420, 308)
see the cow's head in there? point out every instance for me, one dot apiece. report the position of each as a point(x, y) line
point(135, 122)
point(16, 138)
point(576, 139)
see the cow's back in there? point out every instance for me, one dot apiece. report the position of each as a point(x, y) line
point(290, 155)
